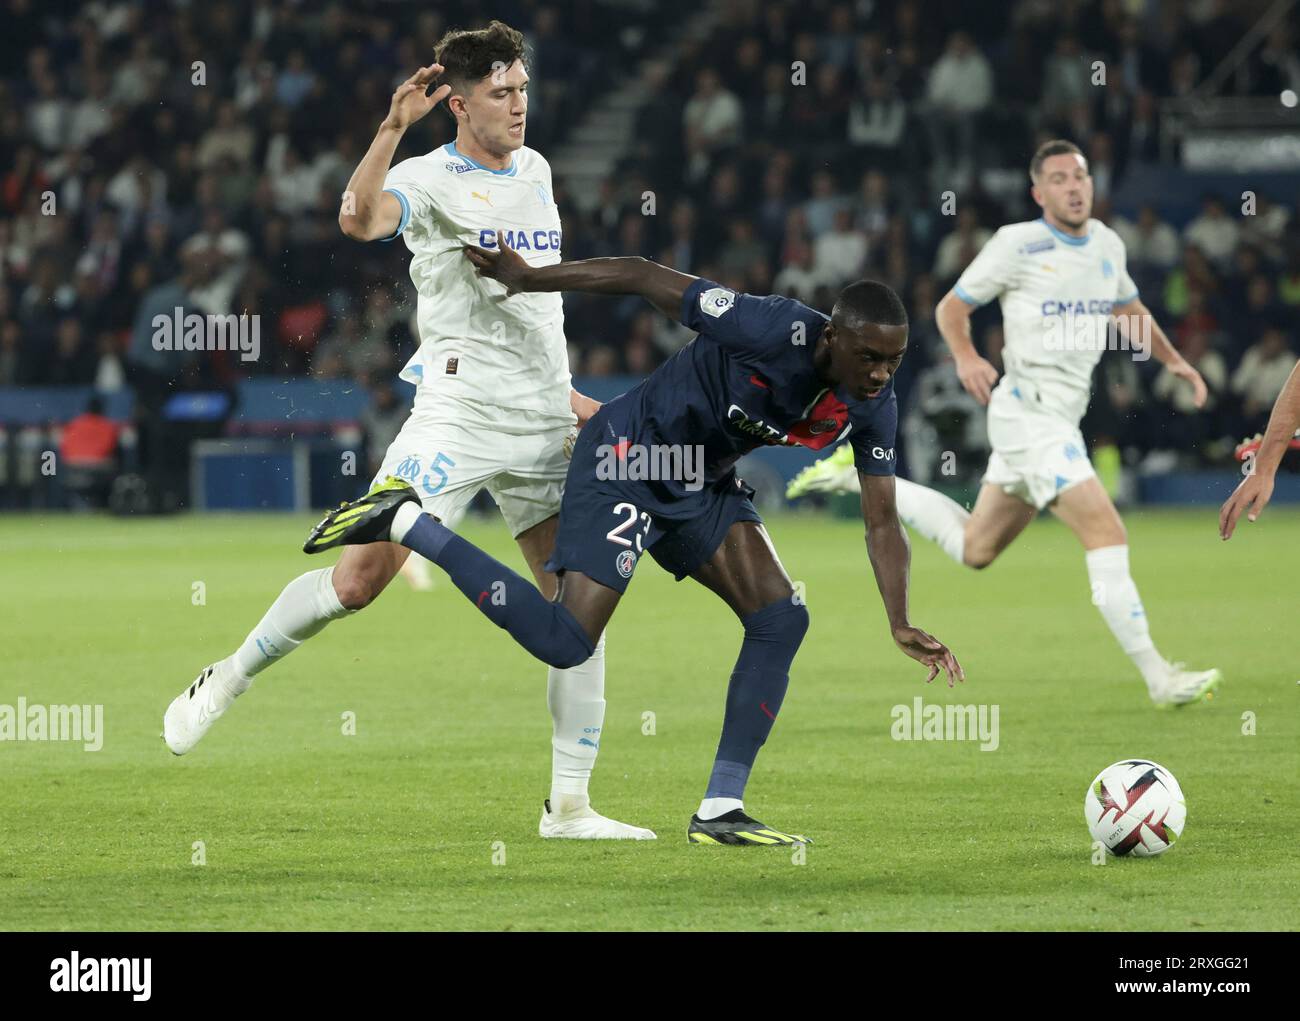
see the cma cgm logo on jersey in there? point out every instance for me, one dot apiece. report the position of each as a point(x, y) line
point(1092, 307)
point(521, 240)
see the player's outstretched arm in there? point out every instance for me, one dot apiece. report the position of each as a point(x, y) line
point(890, 556)
point(1257, 488)
point(367, 212)
point(659, 285)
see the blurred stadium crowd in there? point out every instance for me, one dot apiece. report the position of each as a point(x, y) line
point(223, 195)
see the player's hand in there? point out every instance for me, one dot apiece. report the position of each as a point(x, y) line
point(583, 406)
point(410, 102)
point(977, 375)
point(929, 650)
point(505, 265)
point(1253, 495)
point(1183, 370)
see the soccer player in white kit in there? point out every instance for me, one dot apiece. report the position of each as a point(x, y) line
point(494, 407)
point(1064, 288)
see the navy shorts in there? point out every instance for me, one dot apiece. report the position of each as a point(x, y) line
point(606, 524)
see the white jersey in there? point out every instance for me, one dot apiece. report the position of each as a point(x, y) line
point(475, 343)
point(1057, 292)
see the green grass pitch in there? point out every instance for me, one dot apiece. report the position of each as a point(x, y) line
point(398, 826)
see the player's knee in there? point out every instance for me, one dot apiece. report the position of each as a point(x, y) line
point(354, 589)
point(785, 622)
point(566, 644)
point(978, 557)
point(565, 652)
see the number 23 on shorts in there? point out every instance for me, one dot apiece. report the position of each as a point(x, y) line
point(616, 535)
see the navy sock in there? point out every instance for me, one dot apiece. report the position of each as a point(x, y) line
point(545, 629)
point(754, 696)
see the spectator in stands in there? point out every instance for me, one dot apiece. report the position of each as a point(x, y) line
point(961, 246)
point(1214, 232)
point(1191, 427)
point(877, 122)
point(1067, 80)
point(681, 224)
point(1195, 347)
point(14, 367)
point(222, 252)
point(1151, 243)
point(153, 370)
point(71, 362)
point(351, 352)
point(960, 88)
point(712, 118)
point(601, 360)
point(825, 203)
point(110, 371)
point(742, 249)
point(1260, 378)
point(799, 278)
point(1267, 228)
point(639, 352)
point(90, 439)
point(1194, 275)
point(874, 207)
point(1140, 141)
point(944, 427)
point(382, 420)
point(776, 201)
point(840, 255)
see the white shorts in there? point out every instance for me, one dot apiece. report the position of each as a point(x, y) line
point(451, 452)
point(1036, 455)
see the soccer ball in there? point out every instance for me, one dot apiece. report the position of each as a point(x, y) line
point(1135, 807)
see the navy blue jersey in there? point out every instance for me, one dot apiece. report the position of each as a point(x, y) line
point(747, 380)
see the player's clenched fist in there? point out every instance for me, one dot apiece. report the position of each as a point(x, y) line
point(410, 102)
point(929, 650)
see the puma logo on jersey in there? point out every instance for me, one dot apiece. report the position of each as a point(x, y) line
point(486, 198)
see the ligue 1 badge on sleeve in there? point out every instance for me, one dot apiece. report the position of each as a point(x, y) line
point(716, 300)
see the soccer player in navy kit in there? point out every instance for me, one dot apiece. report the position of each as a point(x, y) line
point(763, 370)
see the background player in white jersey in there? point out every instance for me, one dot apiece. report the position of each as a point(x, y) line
point(493, 408)
point(1064, 287)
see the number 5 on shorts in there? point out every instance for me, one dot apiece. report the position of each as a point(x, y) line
point(437, 470)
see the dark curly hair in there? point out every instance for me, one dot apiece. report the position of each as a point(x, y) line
point(468, 56)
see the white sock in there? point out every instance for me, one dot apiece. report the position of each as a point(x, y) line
point(407, 515)
point(306, 605)
point(711, 808)
point(1116, 596)
point(934, 516)
point(576, 698)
